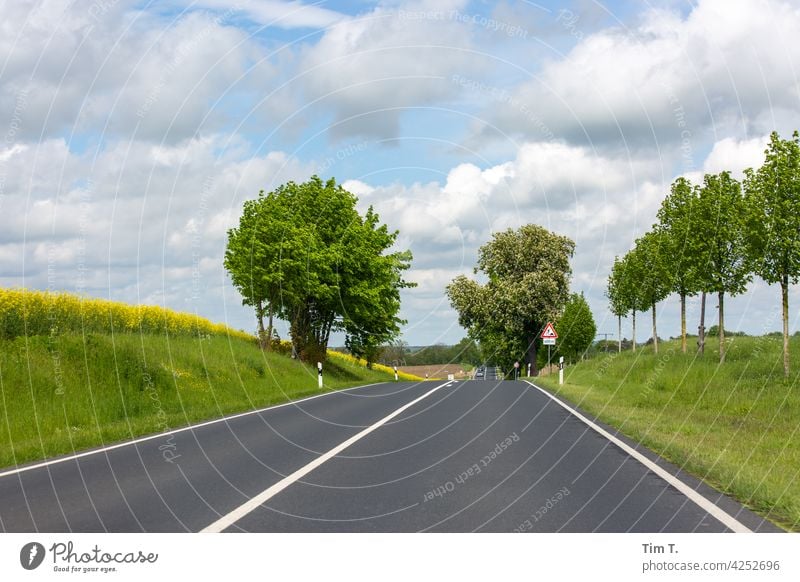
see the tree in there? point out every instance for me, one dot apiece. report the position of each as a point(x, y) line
point(250, 253)
point(528, 284)
point(677, 222)
point(772, 202)
point(618, 301)
point(576, 327)
point(304, 251)
point(632, 269)
point(652, 278)
point(723, 266)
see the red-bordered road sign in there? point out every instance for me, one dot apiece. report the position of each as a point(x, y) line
point(549, 332)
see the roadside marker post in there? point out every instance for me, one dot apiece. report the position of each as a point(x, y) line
point(319, 374)
point(561, 370)
point(395, 373)
point(516, 370)
point(529, 369)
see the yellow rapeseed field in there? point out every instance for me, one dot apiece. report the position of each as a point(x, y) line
point(31, 312)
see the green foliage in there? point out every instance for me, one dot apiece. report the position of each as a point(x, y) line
point(528, 284)
point(723, 266)
point(304, 251)
point(617, 291)
point(576, 327)
point(678, 222)
point(648, 270)
point(772, 195)
point(772, 221)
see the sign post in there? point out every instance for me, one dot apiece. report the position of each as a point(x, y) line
point(516, 370)
point(549, 337)
point(561, 370)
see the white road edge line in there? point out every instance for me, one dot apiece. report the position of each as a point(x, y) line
point(176, 431)
point(255, 502)
point(707, 505)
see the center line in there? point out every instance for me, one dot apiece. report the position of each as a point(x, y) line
point(255, 502)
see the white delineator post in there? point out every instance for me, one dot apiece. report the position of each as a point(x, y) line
point(529, 369)
point(319, 374)
point(395, 374)
point(561, 370)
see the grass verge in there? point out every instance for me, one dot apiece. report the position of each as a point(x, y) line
point(60, 394)
point(735, 425)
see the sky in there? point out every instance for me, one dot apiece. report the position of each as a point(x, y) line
point(131, 133)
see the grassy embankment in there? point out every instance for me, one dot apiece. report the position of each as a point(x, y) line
point(735, 425)
point(79, 385)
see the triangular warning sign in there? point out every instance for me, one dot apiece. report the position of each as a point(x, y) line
point(549, 332)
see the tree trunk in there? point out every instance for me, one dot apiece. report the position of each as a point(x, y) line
point(619, 332)
point(633, 333)
point(269, 329)
point(532, 356)
point(785, 302)
point(701, 329)
point(260, 319)
point(683, 322)
point(655, 331)
point(721, 326)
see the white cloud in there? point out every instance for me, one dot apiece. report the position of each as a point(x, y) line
point(368, 70)
point(71, 68)
point(723, 69)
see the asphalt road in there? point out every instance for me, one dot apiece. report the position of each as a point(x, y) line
point(488, 456)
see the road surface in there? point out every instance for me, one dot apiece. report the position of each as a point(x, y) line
point(490, 456)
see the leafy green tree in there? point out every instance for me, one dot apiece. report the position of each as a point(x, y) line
point(576, 327)
point(618, 301)
point(652, 278)
point(632, 269)
point(723, 265)
point(676, 221)
point(304, 251)
point(528, 283)
point(772, 202)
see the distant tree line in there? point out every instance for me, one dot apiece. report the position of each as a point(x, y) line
point(712, 238)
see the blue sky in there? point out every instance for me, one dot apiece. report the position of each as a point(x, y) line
point(132, 132)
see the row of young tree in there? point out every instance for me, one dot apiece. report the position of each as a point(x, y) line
point(712, 239)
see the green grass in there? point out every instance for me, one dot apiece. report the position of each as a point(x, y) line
point(65, 393)
point(735, 425)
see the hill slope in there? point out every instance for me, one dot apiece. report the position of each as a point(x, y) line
point(63, 393)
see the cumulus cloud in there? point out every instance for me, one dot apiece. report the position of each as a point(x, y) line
point(370, 69)
point(725, 68)
point(107, 69)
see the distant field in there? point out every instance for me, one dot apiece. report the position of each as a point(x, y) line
point(435, 371)
point(736, 425)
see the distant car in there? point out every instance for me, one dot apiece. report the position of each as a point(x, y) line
point(479, 374)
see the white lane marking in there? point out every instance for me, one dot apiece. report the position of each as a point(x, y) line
point(176, 431)
point(255, 502)
point(707, 505)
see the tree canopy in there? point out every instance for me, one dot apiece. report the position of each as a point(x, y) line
point(528, 275)
point(304, 253)
point(772, 221)
point(576, 327)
